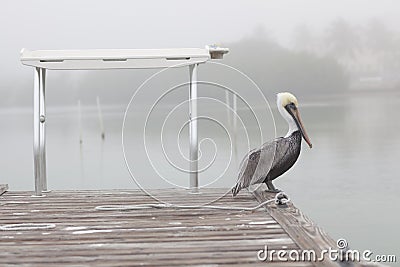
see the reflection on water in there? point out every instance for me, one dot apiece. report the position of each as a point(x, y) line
point(347, 182)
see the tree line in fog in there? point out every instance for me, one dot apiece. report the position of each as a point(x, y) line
point(276, 68)
point(368, 52)
point(328, 61)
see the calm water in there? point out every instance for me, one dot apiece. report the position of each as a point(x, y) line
point(348, 183)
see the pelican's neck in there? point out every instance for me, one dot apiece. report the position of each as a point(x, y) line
point(292, 124)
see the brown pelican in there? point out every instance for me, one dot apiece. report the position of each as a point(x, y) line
point(274, 158)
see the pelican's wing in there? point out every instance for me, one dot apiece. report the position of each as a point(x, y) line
point(256, 165)
point(248, 167)
point(284, 149)
point(266, 160)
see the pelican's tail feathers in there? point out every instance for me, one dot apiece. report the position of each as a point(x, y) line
point(236, 189)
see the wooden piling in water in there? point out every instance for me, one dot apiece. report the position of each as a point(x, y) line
point(100, 114)
point(80, 121)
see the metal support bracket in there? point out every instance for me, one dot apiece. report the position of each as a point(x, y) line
point(193, 138)
point(39, 130)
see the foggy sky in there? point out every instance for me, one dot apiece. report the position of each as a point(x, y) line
point(74, 24)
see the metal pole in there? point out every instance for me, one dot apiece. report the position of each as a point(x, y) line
point(42, 118)
point(36, 131)
point(193, 139)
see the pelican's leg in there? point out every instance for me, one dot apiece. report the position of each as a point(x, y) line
point(271, 187)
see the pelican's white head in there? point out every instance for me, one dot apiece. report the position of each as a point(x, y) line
point(288, 108)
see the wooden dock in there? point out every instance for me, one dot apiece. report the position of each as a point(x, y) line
point(81, 235)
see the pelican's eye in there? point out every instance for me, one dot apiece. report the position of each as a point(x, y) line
point(292, 105)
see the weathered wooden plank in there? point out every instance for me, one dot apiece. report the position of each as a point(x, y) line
point(159, 236)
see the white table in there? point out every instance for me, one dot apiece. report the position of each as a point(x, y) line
point(111, 59)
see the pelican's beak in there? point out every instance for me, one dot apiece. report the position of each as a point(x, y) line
point(294, 111)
